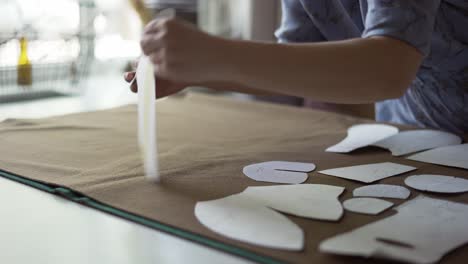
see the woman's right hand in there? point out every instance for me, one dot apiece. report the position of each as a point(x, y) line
point(164, 87)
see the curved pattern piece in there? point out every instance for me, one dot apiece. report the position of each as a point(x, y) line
point(362, 136)
point(147, 117)
point(279, 171)
point(317, 201)
point(453, 156)
point(407, 142)
point(245, 220)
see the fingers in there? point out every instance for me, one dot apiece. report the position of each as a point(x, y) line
point(129, 77)
point(156, 58)
point(134, 64)
point(165, 87)
point(158, 34)
point(165, 14)
point(154, 26)
point(151, 43)
point(159, 41)
point(134, 87)
point(164, 42)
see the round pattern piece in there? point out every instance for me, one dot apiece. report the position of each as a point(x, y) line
point(437, 183)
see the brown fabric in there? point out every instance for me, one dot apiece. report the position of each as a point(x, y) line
point(358, 110)
point(204, 142)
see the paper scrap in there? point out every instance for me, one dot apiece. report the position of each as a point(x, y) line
point(370, 172)
point(382, 191)
point(371, 206)
point(279, 171)
point(245, 220)
point(317, 201)
point(422, 232)
point(147, 117)
point(437, 183)
point(363, 135)
point(407, 142)
point(452, 156)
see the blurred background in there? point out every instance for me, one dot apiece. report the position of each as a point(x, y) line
point(64, 56)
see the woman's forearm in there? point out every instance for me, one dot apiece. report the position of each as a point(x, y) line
point(350, 71)
point(234, 87)
point(361, 70)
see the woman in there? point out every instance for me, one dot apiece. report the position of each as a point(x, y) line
point(409, 57)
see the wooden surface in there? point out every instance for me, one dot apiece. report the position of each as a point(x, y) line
point(204, 142)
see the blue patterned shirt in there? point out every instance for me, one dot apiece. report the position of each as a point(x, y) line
point(438, 96)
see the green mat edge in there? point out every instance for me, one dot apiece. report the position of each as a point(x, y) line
point(71, 195)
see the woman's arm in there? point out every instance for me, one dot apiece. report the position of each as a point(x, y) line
point(360, 70)
point(167, 87)
point(349, 71)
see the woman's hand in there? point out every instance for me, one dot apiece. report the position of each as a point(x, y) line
point(181, 52)
point(164, 87)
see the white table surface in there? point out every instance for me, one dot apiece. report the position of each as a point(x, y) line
point(37, 227)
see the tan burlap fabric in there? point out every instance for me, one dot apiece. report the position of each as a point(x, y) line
point(204, 142)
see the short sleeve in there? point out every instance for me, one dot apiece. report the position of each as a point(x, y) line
point(296, 25)
point(411, 21)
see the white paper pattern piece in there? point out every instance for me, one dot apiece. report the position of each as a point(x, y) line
point(453, 156)
point(147, 117)
point(422, 232)
point(245, 220)
point(317, 201)
point(279, 171)
point(370, 172)
point(371, 206)
point(407, 142)
point(382, 191)
point(363, 135)
point(437, 183)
